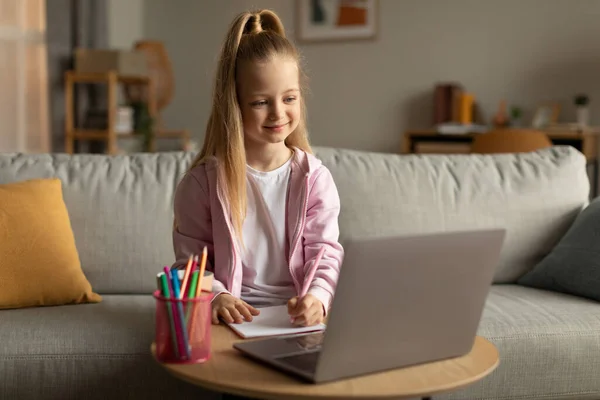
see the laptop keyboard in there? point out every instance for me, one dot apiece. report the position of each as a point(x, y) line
point(306, 361)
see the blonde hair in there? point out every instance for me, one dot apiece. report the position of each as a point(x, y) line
point(252, 36)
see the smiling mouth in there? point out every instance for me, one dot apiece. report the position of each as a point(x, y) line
point(276, 126)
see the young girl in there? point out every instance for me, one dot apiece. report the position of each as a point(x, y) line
point(255, 195)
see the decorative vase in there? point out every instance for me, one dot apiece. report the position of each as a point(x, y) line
point(517, 122)
point(501, 118)
point(583, 116)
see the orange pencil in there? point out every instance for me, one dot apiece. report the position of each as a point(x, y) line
point(186, 276)
point(201, 273)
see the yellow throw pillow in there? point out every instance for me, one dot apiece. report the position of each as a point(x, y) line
point(39, 263)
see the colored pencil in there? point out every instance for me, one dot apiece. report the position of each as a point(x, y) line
point(177, 317)
point(186, 276)
point(198, 291)
point(311, 273)
point(166, 293)
point(193, 284)
point(195, 263)
point(180, 319)
point(191, 293)
point(201, 273)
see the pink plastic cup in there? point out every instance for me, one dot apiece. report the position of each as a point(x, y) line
point(183, 329)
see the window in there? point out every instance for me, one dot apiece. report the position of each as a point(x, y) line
point(24, 125)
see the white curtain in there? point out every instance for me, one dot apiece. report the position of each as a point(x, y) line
point(24, 125)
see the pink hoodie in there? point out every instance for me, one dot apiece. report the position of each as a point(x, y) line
point(313, 207)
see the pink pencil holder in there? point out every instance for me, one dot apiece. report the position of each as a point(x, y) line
point(183, 329)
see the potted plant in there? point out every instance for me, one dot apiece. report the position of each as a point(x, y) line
point(516, 116)
point(582, 102)
point(142, 122)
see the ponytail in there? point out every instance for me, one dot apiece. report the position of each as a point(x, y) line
point(264, 21)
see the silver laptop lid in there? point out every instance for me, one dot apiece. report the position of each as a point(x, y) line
point(407, 300)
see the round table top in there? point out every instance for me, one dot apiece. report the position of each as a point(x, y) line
point(229, 371)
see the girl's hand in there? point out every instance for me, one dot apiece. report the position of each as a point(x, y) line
point(231, 309)
point(307, 311)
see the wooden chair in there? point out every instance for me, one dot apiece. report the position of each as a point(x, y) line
point(510, 141)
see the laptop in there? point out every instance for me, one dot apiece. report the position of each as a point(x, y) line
point(400, 301)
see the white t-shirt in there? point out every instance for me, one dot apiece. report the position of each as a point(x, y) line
point(266, 278)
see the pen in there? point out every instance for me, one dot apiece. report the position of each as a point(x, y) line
point(311, 273)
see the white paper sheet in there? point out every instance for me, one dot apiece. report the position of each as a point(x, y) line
point(272, 321)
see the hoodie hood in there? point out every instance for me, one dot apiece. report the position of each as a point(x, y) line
point(305, 162)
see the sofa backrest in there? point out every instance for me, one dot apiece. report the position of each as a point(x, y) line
point(121, 207)
point(535, 196)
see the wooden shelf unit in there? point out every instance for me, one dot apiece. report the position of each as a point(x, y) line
point(430, 141)
point(112, 79)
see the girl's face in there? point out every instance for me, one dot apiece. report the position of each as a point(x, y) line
point(269, 97)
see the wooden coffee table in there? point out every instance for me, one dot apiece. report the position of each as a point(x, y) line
point(227, 371)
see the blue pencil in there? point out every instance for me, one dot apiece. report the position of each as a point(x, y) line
point(180, 319)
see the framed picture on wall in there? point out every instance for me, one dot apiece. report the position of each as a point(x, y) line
point(326, 20)
point(545, 115)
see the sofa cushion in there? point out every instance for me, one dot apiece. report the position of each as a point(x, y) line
point(121, 210)
point(535, 196)
point(39, 264)
point(120, 325)
point(573, 266)
point(549, 345)
point(86, 351)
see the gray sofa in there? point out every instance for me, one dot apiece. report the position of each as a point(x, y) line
point(121, 213)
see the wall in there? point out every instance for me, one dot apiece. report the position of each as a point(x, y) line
point(364, 94)
point(125, 22)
